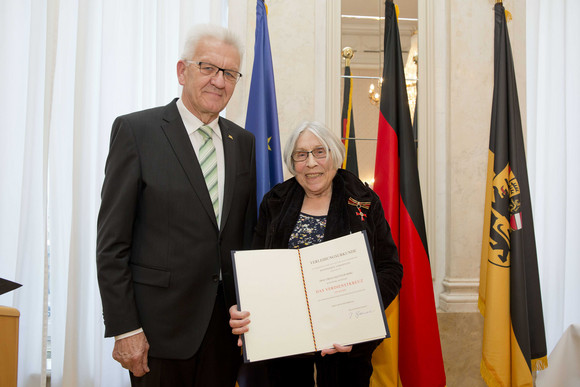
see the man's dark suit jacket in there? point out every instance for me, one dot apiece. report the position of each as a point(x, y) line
point(159, 250)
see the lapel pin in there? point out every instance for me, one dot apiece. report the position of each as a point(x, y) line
point(230, 136)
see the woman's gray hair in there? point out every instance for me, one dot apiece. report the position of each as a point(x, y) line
point(328, 139)
point(209, 31)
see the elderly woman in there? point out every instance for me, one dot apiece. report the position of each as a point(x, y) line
point(322, 202)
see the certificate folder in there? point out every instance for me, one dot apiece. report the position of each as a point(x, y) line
point(305, 300)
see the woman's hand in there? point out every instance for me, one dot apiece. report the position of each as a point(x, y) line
point(337, 348)
point(239, 322)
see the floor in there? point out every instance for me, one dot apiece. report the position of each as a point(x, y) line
point(461, 335)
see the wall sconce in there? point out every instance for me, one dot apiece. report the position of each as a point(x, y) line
point(374, 94)
point(412, 86)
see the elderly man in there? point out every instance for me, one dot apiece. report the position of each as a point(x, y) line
point(178, 196)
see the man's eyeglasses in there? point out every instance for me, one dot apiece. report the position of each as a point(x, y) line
point(208, 69)
point(318, 153)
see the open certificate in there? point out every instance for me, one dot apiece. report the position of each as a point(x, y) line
point(305, 300)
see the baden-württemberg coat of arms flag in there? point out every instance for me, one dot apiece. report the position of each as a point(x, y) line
point(514, 342)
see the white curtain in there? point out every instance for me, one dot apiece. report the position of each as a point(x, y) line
point(23, 159)
point(553, 144)
point(68, 68)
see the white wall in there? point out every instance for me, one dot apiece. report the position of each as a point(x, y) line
point(470, 35)
point(297, 31)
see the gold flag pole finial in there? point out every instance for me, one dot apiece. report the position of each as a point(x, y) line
point(347, 54)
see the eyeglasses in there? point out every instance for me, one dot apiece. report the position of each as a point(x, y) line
point(318, 153)
point(208, 69)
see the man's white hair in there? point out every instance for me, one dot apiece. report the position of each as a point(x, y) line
point(209, 31)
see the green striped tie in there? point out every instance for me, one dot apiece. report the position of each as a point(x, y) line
point(208, 162)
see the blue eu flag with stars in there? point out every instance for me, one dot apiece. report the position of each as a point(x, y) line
point(262, 115)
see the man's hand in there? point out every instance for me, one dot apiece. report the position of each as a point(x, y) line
point(131, 352)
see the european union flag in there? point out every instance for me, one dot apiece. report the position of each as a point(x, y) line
point(262, 116)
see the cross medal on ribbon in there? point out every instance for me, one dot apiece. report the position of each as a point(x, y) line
point(360, 206)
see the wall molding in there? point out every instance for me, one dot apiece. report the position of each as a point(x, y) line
point(368, 29)
point(332, 64)
point(460, 295)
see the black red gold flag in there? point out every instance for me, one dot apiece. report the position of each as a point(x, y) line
point(350, 162)
point(514, 340)
point(414, 359)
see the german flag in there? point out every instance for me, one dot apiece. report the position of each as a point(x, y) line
point(350, 162)
point(412, 357)
point(514, 341)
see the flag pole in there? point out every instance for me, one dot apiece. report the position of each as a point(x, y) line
point(347, 119)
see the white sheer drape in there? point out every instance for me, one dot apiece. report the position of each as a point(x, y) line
point(553, 143)
point(68, 68)
point(23, 160)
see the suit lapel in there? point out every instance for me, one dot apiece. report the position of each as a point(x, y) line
point(230, 157)
point(177, 135)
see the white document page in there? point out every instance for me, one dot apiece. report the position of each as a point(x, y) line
point(342, 292)
point(270, 287)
